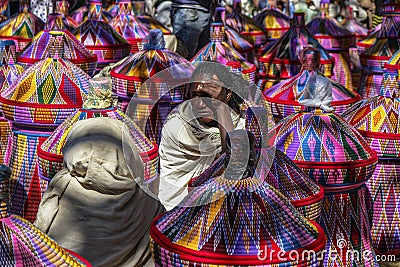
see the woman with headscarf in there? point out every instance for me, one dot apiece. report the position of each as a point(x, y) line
point(95, 206)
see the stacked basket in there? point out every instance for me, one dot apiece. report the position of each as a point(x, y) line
point(129, 84)
point(126, 25)
point(274, 22)
point(245, 25)
point(376, 119)
point(74, 51)
point(337, 41)
point(333, 154)
point(283, 98)
point(21, 27)
point(281, 59)
point(10, 70)
point(25, 245)
point(42, 98)
point(100, 38)
point(62, 8)
point(386, 44)
point(229, 222)
point(50, 157)
point(218, 50)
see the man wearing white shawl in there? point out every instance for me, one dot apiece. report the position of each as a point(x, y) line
point(194, 133)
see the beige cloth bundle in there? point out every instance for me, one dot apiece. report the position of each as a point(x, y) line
point(94, 206)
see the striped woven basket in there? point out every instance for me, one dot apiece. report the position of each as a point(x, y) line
point(234, 223)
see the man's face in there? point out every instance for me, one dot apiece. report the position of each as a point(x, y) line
point(201, 102)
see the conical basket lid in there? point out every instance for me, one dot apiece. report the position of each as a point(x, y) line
point(274, 22)
point(330, 35)
point(74, 51)
point(286, 50)
point(25, 245)
point(327, 147)
point(227, 221)
point(10, 70)
point(21, 27)
point(51, 149)
point(127, 26)
point(47, 92)
point(284, 96)
point(139, 67)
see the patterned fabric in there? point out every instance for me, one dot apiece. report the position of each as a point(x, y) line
point(25, 245)
point(220, 51)
point(373, 60)
point(5, 141)
point(337, 41)
point(40, 47)
point(225, 222)
point(50, 158)
point(21, 27)
point(326, 148)
point(126, 25)
point(281, 59)
point(283, 97)
point(246, 26)
point(274, 22)
point(101, 39)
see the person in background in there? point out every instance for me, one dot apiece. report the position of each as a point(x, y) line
point(191, 20)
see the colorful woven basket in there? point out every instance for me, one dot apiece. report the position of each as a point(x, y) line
point(335, 155)
point(274, 22)
point(281, 59)
point(25, 245)
point(373, 60)
point(353, 26)
point(42, 98)
point(283, 97)
point(50, 157)
point(74, 51)
point(62, 7)
point(375, 119)
point(9, 73)
point(129, 84)
point(235, 223)
point(21, 27)
point(337, 41)
point(82, 14)
point(126, 25)
point(218, 50)
point(245, 25)
point(368, 41)
point(100, 38)
point(3, 9)
point(10, 70)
